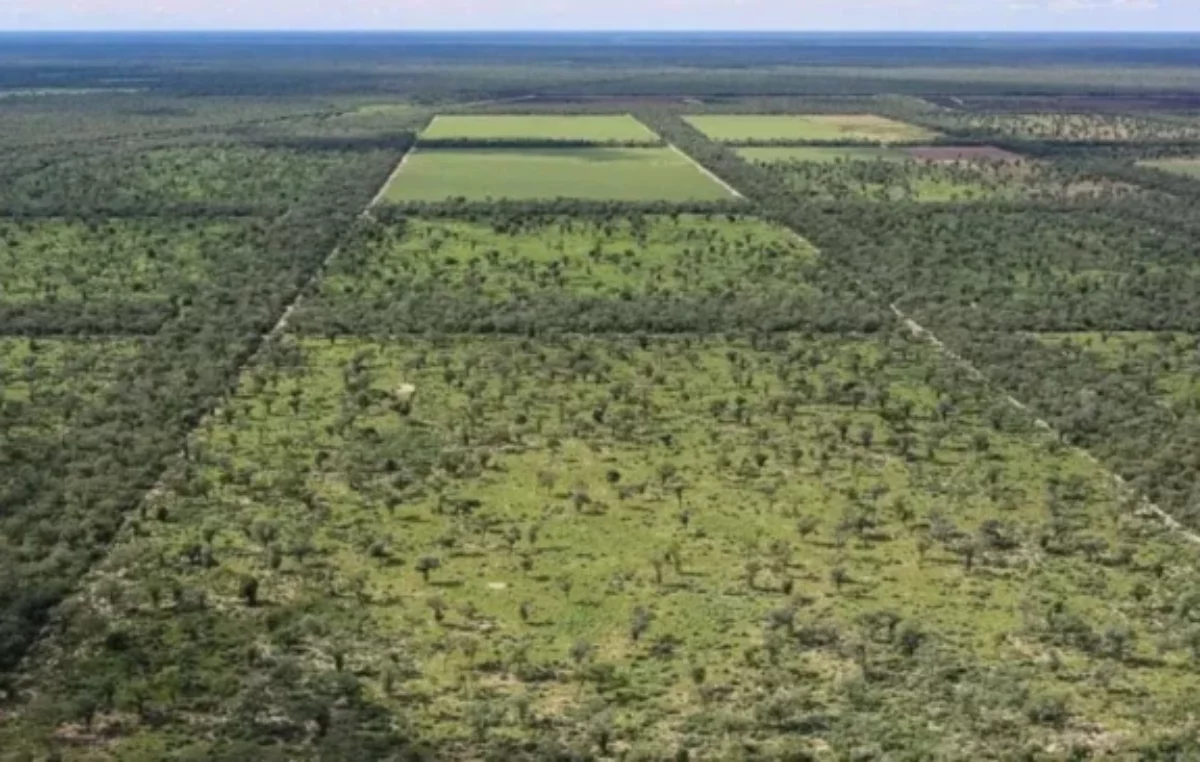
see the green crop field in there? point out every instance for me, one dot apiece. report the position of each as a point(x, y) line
point(774, 154)
point(599, 128)
point(627, 174)
point(816, 128)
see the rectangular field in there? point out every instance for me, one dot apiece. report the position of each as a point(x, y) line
point(610, 174)
point(814, 128)
point(600, 128)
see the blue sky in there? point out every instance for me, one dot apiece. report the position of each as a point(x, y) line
point(777, 15)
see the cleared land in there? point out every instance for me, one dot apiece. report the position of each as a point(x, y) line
point(556, 272)
point(627, 174)
point(816, 128)
point(1189, 166)
point(649, 535)
point(600, 128)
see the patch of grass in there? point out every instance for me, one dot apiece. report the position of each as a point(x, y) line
point(621, 174)
point(675, 534)
point(816, 128)
point(599, 127)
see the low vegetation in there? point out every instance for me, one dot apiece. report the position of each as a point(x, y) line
point(807, 128)
point(602, 173)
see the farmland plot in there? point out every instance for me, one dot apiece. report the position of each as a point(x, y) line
point(599, 173)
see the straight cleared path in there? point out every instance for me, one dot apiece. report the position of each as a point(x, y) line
point(1144, 503)
point(708, 172)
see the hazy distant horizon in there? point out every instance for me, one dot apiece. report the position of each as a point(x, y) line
point(834, 16)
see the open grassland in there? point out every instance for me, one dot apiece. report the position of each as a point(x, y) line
point(599, 128)
point(640, 542)
point(815, 128)
point(676, 273)
point(1188, 166)
point(600, 173)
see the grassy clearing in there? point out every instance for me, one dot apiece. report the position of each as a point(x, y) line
point(775, 154)
point(817, 128)
point(601, 127)
point(1189, 166)
point(649, 540)
point(619, 174)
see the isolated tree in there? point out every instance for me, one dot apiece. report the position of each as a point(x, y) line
point(640, 623)
point(249, 590)
point(427, 564)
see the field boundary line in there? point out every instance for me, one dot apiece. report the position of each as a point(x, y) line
point(708, 172)
point(390, 179)
point(1144, 503)
point(156, 491)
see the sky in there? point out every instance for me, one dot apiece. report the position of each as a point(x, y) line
point(774, 15)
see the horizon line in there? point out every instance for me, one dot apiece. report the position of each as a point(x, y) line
point(446, 30)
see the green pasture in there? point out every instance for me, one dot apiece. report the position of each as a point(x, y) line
point(616, 174)
point(486, 530)
point(598, 127)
